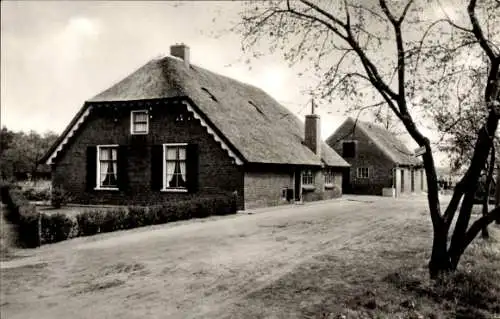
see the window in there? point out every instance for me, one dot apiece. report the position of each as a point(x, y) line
point(349, 149)
point(174, 178)
point(307, 177)
point(107, 167)
point(139, 122)
point(329, 178)
point(363, 172)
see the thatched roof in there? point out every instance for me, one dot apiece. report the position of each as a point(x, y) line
point(393, 147)
point(262, 130)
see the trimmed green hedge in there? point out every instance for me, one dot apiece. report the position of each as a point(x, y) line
point(35, 229)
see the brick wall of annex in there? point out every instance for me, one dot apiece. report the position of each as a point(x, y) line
point(217, 171)
point(368, 154)
point(264, 187)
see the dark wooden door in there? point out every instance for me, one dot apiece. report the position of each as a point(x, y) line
point(298, 182)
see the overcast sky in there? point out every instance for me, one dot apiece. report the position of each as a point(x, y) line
point(55, 55)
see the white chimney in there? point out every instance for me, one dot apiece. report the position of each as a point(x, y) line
point(180, 51)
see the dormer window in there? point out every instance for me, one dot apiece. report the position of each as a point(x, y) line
point(139, 122)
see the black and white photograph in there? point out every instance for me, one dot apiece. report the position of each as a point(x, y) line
point(250, 159)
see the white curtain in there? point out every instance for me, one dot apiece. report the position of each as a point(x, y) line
point(108, 156)
point(115, 162)
point(104, 158)
point(170, 174)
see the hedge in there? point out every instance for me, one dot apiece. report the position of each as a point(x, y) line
point(94, 221)
point(35, 228)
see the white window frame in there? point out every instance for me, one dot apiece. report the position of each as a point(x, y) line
point(360, 172)
point(329, 174)
point(98, 169)
point(132, 122)
point(164, 177)
point(311, 184)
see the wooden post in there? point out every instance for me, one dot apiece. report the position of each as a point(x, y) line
point(497, 191)
point(39, 229)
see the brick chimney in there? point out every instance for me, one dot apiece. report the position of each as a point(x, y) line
point(180, 51)
point(313, 133)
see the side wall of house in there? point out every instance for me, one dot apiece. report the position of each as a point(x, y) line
point(368, 155)
point(217, 172)
point(418, 186)
point(264, 186)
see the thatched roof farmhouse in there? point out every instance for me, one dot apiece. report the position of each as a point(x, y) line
point(239, 138)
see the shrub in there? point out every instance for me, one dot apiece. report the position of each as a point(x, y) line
point(115, 219)
point(136, 217)
point(96, 221)
point(28, 226)
point(33, 194)
point(14, 200)
point(90, 222)
point(56, 227)
point(59, 197)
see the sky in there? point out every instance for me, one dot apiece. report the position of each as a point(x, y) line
point(57, 54)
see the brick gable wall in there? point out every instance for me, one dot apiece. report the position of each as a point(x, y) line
point(367, 155)
point(217, 171)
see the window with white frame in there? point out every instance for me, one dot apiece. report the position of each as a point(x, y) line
point(174, 177)
point(363, 172)
point(329, 177)
point(139, 122)
point(107, 166)
point(307, 177)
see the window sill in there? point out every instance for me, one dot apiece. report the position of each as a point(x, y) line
point(308, 187)
point(329, 186)
point(139, 133)
point(106, 189)
point(174, 190)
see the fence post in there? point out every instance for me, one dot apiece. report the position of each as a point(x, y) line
point(39, 229)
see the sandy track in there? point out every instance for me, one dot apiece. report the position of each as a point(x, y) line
point(192, 269)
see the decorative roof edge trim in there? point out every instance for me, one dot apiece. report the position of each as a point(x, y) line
point(214, 134)
point(68, 135)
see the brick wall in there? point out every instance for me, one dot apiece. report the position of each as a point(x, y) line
point(264, 188)
point(217, 171)
point(367, 155)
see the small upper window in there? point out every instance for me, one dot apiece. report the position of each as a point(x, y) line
point(349, 149)
point(139, 122)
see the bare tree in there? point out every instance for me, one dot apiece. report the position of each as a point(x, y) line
point(395, 53)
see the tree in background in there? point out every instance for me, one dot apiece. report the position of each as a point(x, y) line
point(397, 53)
point(21, 152)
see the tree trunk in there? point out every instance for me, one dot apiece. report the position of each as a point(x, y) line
point(486, 199)
point(440, 259)
point(497, 192)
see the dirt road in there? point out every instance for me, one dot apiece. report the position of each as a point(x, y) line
point(198, 269)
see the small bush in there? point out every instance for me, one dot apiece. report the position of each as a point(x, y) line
point(137, 217)
point(55, 228)
point(59, 197)
point(28, 223)
point(33, 194)
point(90, 222)
point(115, 219)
